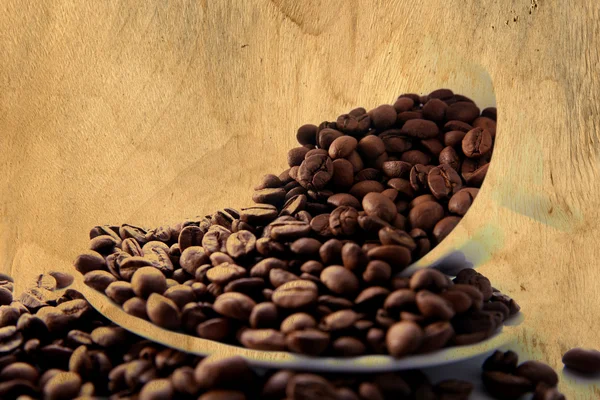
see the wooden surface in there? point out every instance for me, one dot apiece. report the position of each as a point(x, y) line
point(150, 112)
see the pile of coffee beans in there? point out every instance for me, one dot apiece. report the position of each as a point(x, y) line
point(303, 305)
point(310, 268)
point(60, 348)
point(503, 378)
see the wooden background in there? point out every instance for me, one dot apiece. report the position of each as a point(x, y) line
point(152, 111)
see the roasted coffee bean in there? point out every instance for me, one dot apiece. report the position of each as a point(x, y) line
point(263, 339)
point(443, 181)
point(362, 188)
point(476, 143)
point(434, 110)
point(136, 307)
point(192, 258)
point(433, 306)
point(234, 305)
point(436, 336)
point(343, 173)
point(342, 147)
point(307, 134)
point(190, 236)
point(340, 280)
point(348, 347)
point(315, 172)
point(585, 361)
point(462, 111)
point(148, 280)
point(306, 247)
point(343, 221)
point(462, 200)
point(425, 215)
point(119, 291)
point(395, 255)
point(62, 279)
point(260, 214)
point(99, 280)
point(353, 257)
point(510, 304)
point(471, 277)
point(307, 341)
point(420, 129)
point(218, 372)
point(503, 362)
point(295, 294)
point(537, 372)
point(503, 385)
point(63, 385)
point(215, 239)
point(163, 311)
point(89, 261)
point(414, 157)
point(289, 230)
point(378, 205)
point(403, 338)
point(444, 227)
point(377, 272)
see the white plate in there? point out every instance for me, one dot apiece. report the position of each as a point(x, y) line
point(285, 360)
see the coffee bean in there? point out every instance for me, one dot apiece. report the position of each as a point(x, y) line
point(225, 273)
point(119, 291)
point(499, 361)
point(503, 385)
point(309, 386)
point(307, 341)
point(471, 277)
point(63, 385)
point(234, 305)
point(462, 111)
point(537, 372)
point(396, 256)
point(435, 110)
point(403, 338)
point(89, 261)
point(289, 230)
point(215, 239)
point(425, 215)
point(377, 272)
point(444, 227)
point(326, 136)
point(420, 129)
point(378, 205)
point(414, 157)
point(434, 306)
point(264, 315)
point(214, 329)
point(306, 247)
point(342, 147)
point(340, 280)
point(129, 265)
point(220, 372)
point(462, 200)
point(586, 361)
point(163, 311)
point(348, 347)
point(136, 307)
point(477, 143)
point(362, 188)
point(474, 171)
point(295, 294)
point(192, 258)
point(315, 172)
point(485, 123)
point(343, 221)
point(436, 336)
point(62, 279)
point(99, 280)
point(148, 280)
point(443, 181)
point(263, 339)
point(307, 134)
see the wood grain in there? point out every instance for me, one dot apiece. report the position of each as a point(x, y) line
point(151, 112)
